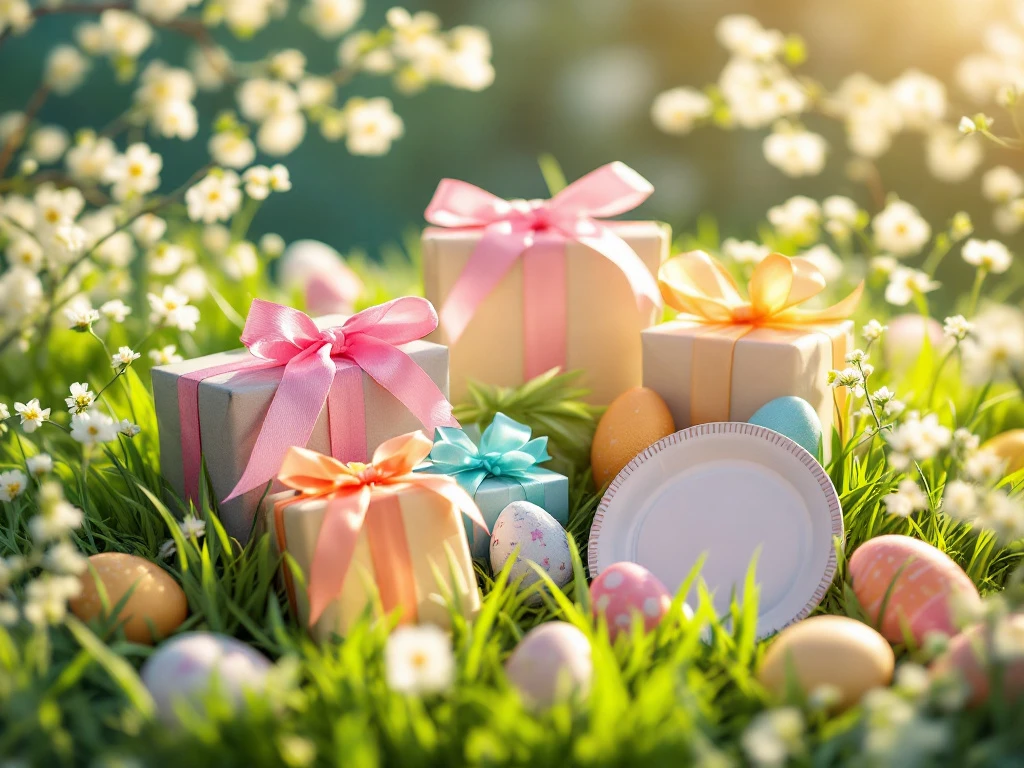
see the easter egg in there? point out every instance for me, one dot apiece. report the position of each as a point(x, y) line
point(844, 654)
point(905, 337)
point(925, 593)
point(540, 539)
point(635, 420)
point(551, 664)
point(794, 418)
point(156, 600)
point(186, 667)
point(970, 657)
point(320, 272)
point(624, 590)
point(1008, 446)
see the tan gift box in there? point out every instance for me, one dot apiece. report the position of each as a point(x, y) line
point(232, 408)
point(603, 323)
point(434, 544)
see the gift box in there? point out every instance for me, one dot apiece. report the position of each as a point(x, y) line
point(725, 356)
point(500, 468)
point(374, 538)
point(524, 287)
point(341, 386)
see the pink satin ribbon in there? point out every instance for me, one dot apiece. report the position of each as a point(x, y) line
point(321, 367)
point(512, 227)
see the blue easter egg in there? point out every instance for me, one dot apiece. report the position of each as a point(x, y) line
point(794, 418)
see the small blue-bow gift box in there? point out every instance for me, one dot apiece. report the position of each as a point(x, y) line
point(500, 468)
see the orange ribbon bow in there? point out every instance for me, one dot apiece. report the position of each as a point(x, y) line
point(699, 286)
point(348, 490)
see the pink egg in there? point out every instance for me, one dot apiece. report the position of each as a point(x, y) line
point(971, 654)
point(625, 589)
point(925, 593)
point(905, 337)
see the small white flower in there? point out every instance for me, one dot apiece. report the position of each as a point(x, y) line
point(55, 520)
point(957, 327)
point(907, 499)
point(900, 229)
point(826, 260)
point(13, 483)
point(24, 251)
point(745, 251)
point(136, 172)
point(5, 412)
point(280, 181)
point(64, 557)
point(906, 283)
point(372, 126)
point(959, 500)
point(39, 464)
point(796, 152)
point(272, 245)
point(240, 261)
point(166, 258)
point(332, 18)
point(873, 330)
point(1002, 184)
point(32, 416)
point(920, 99)
point(126, 428)
point(419, 660)
point(280, 134)
point(678, 110)
point(81, 399)
point(316, 91)
point(90, 156)
point(841, 210)
point(882, 396)
point(289, 65)
point(47, 144)
point(171, 308)
point(797, 218)
point(192, 527)
point(257, 182)
point(165, 355)
point(848, 378)
point(985, 467)
point(232, 149)
point(167, 550)
point(918, 439)
point(990, 255)
point(125, 356)
point(215, 198)
point(856, 356)
point(965, 441)
point(967, 126)
point(952, 157)
point(774, 736)
point(65, 69)
point(216, 238)
point(115, 310)
point(92, 427)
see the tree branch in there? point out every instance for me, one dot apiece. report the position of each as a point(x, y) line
point(34, 105)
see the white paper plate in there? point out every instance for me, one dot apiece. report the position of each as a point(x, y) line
point(727, 489)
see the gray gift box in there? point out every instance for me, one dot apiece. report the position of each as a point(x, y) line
point(232, 407)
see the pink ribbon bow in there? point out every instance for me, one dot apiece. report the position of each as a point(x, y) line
point(540, 229)
point(313, 359)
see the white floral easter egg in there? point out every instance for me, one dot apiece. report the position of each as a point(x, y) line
point(552, 663)
point(185, 667)
point(540, 540)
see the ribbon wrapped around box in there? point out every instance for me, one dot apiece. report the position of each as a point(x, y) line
point(340, 386)
point(725, 356)
point(376, 535)
point(501, 469)
point(526, 286)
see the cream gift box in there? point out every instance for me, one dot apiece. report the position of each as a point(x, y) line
point(407, 554)
point(560, 304)
point(233, 405)
point(727, 356)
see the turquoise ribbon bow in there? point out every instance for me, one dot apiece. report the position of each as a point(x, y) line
point(505, 451)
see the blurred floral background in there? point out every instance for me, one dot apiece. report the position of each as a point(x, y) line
point(576, 79)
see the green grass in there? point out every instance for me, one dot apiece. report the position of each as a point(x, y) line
point(681, 695)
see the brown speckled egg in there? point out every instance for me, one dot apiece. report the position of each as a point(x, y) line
point(157, 598)
point(834, 652)
point(635, 420)
point(926, 586)
point(971, 654)
point(1008, 446)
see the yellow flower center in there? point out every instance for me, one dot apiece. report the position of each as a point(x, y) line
point(135, 169)
point(418, 659)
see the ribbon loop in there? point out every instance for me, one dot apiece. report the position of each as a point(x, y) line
point(349, 490)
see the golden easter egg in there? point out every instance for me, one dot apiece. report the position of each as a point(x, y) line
point(157, 605)
point(1008, 446)
point(972, 654)
point(635, 420)
point(844, 655)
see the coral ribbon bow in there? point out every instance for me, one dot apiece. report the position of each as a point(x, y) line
point(281, 336)
point(510, 227)
point(505, 450)
point(698, 286)
point(348, 490)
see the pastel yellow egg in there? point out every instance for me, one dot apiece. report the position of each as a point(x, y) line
point(970, 657)
point(1008, 446)
point(157, 600)
point(844, 655)
point(635, 420)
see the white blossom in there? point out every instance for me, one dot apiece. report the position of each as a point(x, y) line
point(81, 316)
point(797, 218)
point(66, 69)
point(136, 172)
point(272, 245)
point(826, 260)
point(93, 427)
point(1001, 184)
point(952, 157)
point(232, 149)
point(332, 18)
point(920, 98)
point(240, 261)
point(13, 483)
point(990, 255)
point(917, 439)
point(215, 198)
point(148, 229)
point(25, 252)
point(996, 345)
point(48, 144)
point(678, 110)
point(89, 157)
point(32, 415)
point(165, 355)
point(124, 34)
point(907, 499)
point(125, 356)
point(419, 660)
point(745, 251)
point(773, 737)
point(899, 229)
point(796, 152)
point(126, 428)
point(81, 399)
point(40, 464)
point(873, 330)
point(172, 309)
point(280, 134)
point(957, 327)
point(372, 126)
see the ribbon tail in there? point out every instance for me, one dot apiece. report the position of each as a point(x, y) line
point(398, 374)
point(335, 547)
point(491, 260)
point(615, 249)
point(442, 485)
point(301, 396)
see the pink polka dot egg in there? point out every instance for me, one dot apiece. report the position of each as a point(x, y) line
point(624, 590)
point(928, 588)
